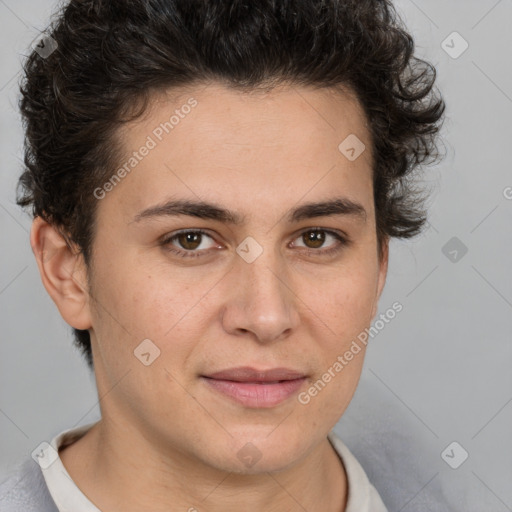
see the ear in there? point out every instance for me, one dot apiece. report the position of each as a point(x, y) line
point(383, 271)
point(63, 273)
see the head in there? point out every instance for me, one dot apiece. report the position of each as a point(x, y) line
point(275, 118)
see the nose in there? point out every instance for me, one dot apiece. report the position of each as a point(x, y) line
point(262, 302)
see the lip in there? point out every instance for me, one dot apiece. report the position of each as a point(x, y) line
point(256, 388)
point(249, 374)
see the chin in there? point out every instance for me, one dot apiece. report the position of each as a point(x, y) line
point(261, 451)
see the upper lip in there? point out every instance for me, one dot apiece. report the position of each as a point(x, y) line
point(248, 374)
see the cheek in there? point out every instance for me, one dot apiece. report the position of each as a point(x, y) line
point(345, 306)
point(344, 301)
point(143, 303)
point(344, 311)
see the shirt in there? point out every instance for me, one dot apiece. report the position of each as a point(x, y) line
point(46, 486)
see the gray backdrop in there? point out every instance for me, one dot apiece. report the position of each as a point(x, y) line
point(438, 373)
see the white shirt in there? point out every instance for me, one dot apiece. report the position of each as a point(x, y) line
point(362, 495)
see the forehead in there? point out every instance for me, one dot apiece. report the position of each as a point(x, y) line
point(226, 114)
point(218, 143)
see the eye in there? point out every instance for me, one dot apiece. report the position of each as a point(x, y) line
point(191, 241)
point(315, 238)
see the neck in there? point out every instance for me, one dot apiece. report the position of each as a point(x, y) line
point(122, 472)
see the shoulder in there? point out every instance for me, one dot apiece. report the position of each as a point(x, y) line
point(25, 490)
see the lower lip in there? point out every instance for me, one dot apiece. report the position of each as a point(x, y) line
point(255, 395)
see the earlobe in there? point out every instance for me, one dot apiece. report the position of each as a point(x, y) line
point(63, 273)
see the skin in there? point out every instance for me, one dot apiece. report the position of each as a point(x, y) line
point(166, 441)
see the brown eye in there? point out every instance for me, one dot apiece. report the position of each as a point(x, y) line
point(190, 240)
point(188, 243)
point(315, 239)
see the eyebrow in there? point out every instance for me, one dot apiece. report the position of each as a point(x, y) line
point(205, 210)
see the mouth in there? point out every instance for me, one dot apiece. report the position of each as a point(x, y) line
point(256, 388)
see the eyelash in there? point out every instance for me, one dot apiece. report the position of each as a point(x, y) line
point(166, 241)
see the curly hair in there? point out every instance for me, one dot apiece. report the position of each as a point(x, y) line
point(111, 55)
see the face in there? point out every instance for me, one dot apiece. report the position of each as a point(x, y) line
point(259, 278)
